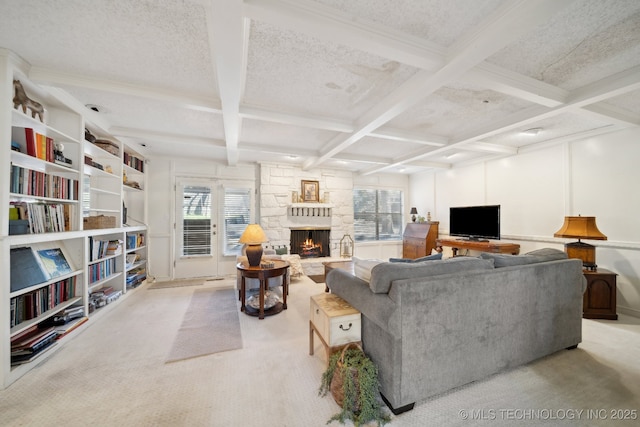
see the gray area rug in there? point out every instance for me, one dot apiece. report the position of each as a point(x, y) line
point(176, 284)
point(210, 325)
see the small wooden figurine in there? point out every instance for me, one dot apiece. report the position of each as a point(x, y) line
point(25, 102)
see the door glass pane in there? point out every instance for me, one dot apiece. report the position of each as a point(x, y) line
point(196, 220)
point(237, 204)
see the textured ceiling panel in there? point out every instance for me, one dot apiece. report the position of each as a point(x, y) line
point(339, 65)
point(293, 137)
point(135, 113)
point(144, 41)
point(588, 41)
point(438, 21)
point(371, 146)
point(562, 125)
point(629, 101)
point(289, 71)
point(456, 108)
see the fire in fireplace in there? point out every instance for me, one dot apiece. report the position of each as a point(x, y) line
point(310, 243)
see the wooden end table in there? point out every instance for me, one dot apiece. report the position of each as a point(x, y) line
point(342, 265)
point(280, 268)
point(599, 300)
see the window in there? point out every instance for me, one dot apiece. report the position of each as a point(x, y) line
point(237, 209)
point(377, 214)
point(196, 220)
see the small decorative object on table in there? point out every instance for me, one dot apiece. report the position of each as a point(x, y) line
point(267, 264)
point(352, 379)
point(346, 246)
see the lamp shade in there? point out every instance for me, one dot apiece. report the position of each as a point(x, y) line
point(253, 235)
point(580, 227)
point(414, 211)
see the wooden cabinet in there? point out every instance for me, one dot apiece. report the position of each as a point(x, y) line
point(600, 297)
point(335, 321)
point(419, 239)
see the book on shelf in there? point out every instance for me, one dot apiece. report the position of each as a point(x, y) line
point(63, 330)
point(25, 269)
point(54, 262)
point(33, 341)
point(131, 260)
point(30, 357)
point(33, 143)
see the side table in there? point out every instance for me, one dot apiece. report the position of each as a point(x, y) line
point(335, 321)
point(342, 265)
point(280, 268)
point(599, 300)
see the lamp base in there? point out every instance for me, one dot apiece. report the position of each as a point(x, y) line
point(583, 251)
point(254, 254)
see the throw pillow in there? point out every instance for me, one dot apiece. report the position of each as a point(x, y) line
point(362, 267)
point(424, 258)
point(533, 257)
point(548, 254)
point(382, 275)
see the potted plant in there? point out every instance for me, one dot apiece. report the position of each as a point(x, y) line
point(352, 379)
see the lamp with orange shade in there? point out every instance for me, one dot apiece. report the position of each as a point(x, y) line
point(581, 227)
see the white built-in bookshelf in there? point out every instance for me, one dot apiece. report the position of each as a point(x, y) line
point(67, 251)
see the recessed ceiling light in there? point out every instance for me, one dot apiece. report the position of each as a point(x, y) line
point(292, 157)
point(532, 131)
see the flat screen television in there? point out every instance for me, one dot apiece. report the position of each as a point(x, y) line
point(475, 222)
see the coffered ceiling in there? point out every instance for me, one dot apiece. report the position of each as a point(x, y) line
point(366, 85)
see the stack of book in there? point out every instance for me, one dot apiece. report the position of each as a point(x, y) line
point(31, 343)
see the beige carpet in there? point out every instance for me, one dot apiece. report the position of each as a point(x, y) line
point(114, 374)
point(210, 325)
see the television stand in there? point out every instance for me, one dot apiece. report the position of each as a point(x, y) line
point(478, 245)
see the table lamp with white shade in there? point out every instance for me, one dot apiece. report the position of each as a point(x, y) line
point(253, 237)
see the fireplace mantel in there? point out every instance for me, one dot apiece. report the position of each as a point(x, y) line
point(310, 209)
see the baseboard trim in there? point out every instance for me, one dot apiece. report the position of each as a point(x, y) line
point(628, 311)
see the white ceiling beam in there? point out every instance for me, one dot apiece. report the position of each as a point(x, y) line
point(192, 101)
point(485, 147)
point(385, 132)
point(593, 93)
point(517, 85)
point(508, 23)
point(164, 137)
point(610, 113)
point(315, 122)
point(227, 33)
point(326, 23)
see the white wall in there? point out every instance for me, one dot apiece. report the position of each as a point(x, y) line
point(537, 188)
point(163, 173)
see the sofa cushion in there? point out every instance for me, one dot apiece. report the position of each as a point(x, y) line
point(384, 273)
point(424, 258)
point(533, 257)
point(362, 267)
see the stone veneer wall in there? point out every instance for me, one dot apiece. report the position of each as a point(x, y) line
point(279, 181)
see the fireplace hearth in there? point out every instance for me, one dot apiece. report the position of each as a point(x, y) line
point(311, 243)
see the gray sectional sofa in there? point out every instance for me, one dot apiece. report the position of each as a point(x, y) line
point(435, 325)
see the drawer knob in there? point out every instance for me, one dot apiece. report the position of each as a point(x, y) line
point(317, 311)
point(346, 329)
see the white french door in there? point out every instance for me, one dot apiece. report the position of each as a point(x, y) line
point(196, 233)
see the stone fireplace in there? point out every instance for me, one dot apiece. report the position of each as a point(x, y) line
point(311, 242)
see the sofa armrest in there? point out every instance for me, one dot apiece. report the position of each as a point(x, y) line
point(378, 308)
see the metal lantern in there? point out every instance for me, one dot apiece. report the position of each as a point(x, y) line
point(346, 246)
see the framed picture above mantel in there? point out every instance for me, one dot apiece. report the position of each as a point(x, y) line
point(310, 191)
